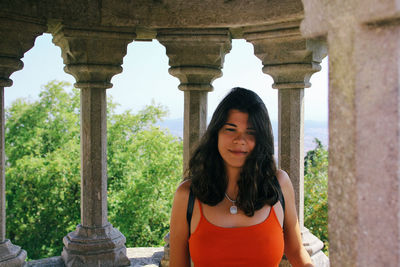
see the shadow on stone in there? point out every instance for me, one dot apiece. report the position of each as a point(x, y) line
point(153, 260)
point(145, 256)
point(48, 262)
point(138, 257)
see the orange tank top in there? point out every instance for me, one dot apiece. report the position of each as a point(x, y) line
point(257, 245)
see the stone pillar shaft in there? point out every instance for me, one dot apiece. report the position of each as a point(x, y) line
point(291, 142)
point(342, 186)
point(364, 127)
point(93, 157)
point(10, 255)
point(195, 120)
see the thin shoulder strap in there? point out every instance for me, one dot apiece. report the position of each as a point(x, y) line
point(190, 205)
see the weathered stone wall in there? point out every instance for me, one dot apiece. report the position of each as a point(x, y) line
point(364, 127)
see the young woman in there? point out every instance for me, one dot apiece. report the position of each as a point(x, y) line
point(244, 211)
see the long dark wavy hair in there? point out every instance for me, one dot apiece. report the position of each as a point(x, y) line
point(257, 184)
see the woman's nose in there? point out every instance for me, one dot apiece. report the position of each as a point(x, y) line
point(239, 138)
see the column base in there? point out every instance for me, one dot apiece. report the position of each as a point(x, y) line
point(11, 255)
point(314, 247)
point(103, 246)
point(165, 259)
point(319, 259)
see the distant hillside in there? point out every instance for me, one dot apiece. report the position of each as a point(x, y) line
point(312, 130)
point(315, 129)
point(175, 126)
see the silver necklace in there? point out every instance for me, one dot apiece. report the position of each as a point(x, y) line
point(233, 208)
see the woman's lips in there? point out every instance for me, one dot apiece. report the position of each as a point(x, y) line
point(238, 152)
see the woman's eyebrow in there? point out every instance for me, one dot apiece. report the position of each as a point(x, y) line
point(234, 125)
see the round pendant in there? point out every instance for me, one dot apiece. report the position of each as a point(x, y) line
point(233, 209)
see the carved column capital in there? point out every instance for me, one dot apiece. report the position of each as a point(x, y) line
point(92, 56)
point(288, 57)
point(17, 36)
point(196, 56)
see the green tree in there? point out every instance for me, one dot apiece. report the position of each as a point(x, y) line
point(43, 171)
point(145, 166)
point(315, 192)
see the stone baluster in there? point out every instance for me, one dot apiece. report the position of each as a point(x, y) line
point(93, 57)
point(196, 57)
point(291, 60)
point(17, 36)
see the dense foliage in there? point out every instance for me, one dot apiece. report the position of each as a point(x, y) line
point(315, 192)
point(145, 166)
point(43, 172)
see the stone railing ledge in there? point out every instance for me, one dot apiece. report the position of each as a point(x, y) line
point(139, 256)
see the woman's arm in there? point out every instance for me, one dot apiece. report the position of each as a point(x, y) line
point(179, 229)
point(294, 249)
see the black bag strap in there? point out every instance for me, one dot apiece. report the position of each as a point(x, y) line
point(282, 199)
point(190, 206)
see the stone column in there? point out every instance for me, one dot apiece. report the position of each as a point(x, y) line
point(196, 57)
point(364, 128)
point(17, 36)
point(291, 60)
point(291, 141)
point(93, 57)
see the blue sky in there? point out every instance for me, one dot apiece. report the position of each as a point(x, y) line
point(145, 78)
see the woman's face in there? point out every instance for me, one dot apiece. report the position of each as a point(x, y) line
point(236, 139)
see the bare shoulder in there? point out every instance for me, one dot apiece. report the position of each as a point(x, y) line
point(283, 179)
point(182, 192)
point(179, 234)
point(184, 187)
point(179, 205)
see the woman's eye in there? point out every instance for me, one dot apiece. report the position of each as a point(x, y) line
point(229, 129)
